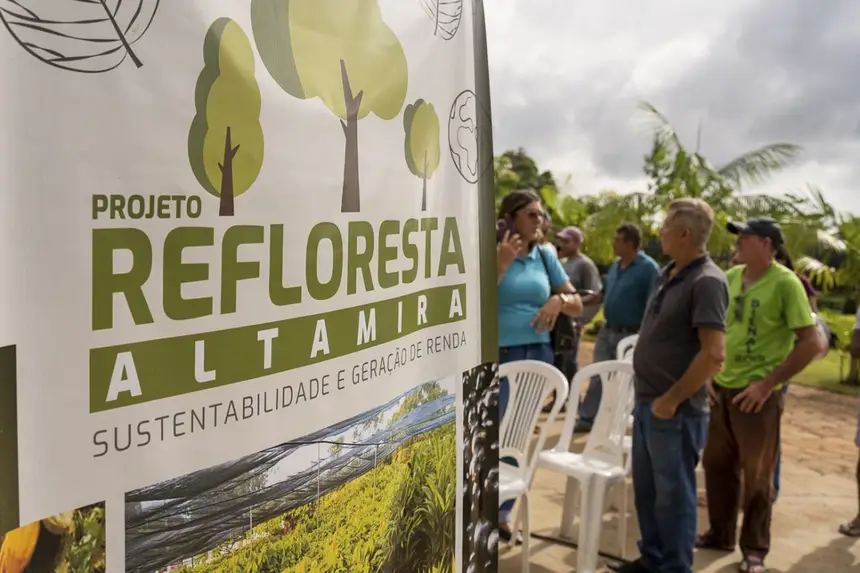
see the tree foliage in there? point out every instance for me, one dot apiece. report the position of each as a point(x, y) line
point(421, 146)
point(340, 52)
point(674, 171)
point(304, 43)
point(225, 142)
point(398, 517)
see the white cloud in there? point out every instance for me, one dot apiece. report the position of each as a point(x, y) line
point(567, 76)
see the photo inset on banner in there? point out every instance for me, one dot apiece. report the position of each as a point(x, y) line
point(73, 541)
point(374, 493)
point(8, 440)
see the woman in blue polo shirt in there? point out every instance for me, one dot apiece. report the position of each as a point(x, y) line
point(533, 291)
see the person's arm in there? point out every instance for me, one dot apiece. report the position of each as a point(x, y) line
point(599, 294)
point(506, 252)
point(705, 366)
point(571, 305)
point(593, 299)
point(591, 280)
point(807, 347)
point(710, 302)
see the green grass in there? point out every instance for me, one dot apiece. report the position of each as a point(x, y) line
point(824, 375)
point(841, 324)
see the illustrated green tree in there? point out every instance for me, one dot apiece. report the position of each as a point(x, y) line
point(225, 142)
point(340, 52)
point(421, 125)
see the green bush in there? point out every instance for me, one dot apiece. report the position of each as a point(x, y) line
point(842, 325)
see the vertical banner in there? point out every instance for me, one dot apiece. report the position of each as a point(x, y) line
point(242, 293)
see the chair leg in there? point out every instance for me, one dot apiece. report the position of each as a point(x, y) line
point(526, 532)
point(590, 525)
point(622, 521)
point(571, 502)
point(515, 523)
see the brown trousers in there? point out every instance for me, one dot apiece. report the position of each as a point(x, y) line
point(742, 446)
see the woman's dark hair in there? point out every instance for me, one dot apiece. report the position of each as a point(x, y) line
point(631, 234)
point(784, 258)
point(516, 200)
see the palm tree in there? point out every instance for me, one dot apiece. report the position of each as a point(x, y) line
point(676, 172)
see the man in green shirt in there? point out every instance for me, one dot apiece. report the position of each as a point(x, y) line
point(768, 311)
point(852, 528)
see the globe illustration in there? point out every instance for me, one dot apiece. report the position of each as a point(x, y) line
point(463, 135)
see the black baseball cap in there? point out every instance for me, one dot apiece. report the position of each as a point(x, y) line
point(764, 227)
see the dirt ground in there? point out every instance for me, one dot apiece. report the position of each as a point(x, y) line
point(818, 492)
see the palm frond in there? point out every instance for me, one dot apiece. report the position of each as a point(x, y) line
point(550, 196)
point(660, 124)
point(757, 165)
point(747, 206)
point(830, 242)
point(820, 273)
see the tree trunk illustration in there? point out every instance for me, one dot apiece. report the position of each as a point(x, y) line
point(121, 36)
point(226, 208)
point(424, 191)
point(351, 197)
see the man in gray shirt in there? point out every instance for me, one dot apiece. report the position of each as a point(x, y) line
point(681, 348)
point(583, 275)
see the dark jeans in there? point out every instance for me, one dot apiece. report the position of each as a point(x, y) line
point(541, 352)
point(776, 479)
point(665, 455)
point(569, 361)
point(742, 444)
point(605, 348)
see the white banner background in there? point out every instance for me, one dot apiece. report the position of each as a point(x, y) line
point(67, 136)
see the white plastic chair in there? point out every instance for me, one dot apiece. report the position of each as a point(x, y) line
point(624, 351)
point(530, 383)
point(601, 464)
point(626, 347)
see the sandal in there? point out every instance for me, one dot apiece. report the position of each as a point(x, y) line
point(851, 529)
point(752, 564)
point(505, 535)
point(709, 541)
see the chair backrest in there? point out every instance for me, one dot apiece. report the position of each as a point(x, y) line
point(530, 383)
point(606, 439)
point(626, 347)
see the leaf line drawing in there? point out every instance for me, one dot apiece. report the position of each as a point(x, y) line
point(446, 14)
point(85, 36)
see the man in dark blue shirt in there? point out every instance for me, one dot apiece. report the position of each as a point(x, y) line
point(625, 293)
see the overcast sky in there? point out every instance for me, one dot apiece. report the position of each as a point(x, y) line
point(566, 77)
